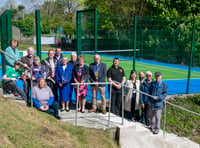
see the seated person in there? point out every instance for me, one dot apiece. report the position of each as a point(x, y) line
point(10, 78)
point(43, 99)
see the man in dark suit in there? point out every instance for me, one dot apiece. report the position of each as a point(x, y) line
point(97, 74)
point(51, 65)
point(28, 61)
point(58, 56)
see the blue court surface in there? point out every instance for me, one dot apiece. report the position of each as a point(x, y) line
point(175, 86)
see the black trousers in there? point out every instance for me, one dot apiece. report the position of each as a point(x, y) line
point(11, 86)
point(116, 102)
point(27, 88)
point(54, 89)
point(53, 109)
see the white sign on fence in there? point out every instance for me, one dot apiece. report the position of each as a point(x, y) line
point(45, 40)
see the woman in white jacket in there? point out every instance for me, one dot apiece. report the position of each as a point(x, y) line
point(132, 97)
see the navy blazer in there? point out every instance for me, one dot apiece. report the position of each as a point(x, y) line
point(67, 74)
point(59, 62)
point(101, 73)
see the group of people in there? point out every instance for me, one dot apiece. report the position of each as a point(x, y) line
point(57, 73)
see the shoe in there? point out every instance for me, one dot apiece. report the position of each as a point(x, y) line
point(155, 131)
point(79, 110)
point(58, 117)
point(104, 112)
point(133, 120)
point(67, 110)
point(92, 110)
point(82, 111)
point(15, 94)
point(62, 110)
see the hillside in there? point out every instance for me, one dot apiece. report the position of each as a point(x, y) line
point(22, 126)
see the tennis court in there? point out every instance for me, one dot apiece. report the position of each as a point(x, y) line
point(174, 75)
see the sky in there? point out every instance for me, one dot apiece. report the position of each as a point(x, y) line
point(27, 3)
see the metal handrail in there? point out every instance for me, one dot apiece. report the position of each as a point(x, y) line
point(164, 101)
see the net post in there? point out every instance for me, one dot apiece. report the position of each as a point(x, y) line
point(78, 25)
point(38, 33)
point(95, 25)
point(191, 55)
point(135, 35)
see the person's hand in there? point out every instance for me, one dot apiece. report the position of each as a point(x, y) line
point(46, 107)
point(60, 85)
point(13, 79)
point(25, 65)
point(49, 78)
point(96, 84)
point(155, 97)
point(143, 106)
point(33, 78)
point(42, 108)
point(118, 86)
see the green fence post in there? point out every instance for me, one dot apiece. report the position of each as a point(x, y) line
point(9, 22)
point(156, 54)
point(135, 35)
point(173, 46)
point(38, 33)
point(95, 29)
point(78, 24)
point(191, 56)
point(6, 33)
point(142, 44)
point(119, 38)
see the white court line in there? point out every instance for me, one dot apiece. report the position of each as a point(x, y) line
point(183, 71)
point(172, 69)
point(183, 79)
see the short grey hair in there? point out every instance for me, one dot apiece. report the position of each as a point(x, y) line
point(149, 72)
point(30, 48)
point(74, 53)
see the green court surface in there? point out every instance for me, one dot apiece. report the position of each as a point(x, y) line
point(127, 65)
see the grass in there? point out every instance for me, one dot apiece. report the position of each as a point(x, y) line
point(167, 72)
point(184, 123)
point(22, 126)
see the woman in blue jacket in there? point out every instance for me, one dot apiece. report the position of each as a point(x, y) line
point(12, 51)
point(63, 78)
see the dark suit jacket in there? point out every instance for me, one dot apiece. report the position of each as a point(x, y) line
point(58, 60)
point(46, 63)
point(101, 73)
point(26, 61)
point(85, 72)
